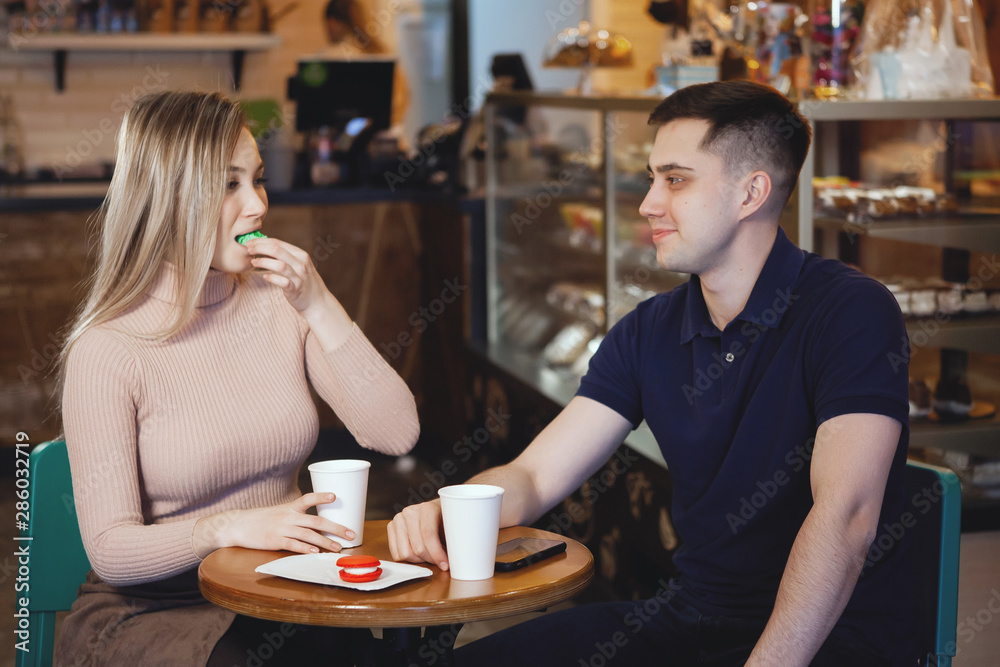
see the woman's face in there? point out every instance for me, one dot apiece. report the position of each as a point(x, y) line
point(243, 208)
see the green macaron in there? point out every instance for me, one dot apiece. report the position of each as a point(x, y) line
point(243, 238)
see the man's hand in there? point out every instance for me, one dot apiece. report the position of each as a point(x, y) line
point(567, 451)
point(415, 535)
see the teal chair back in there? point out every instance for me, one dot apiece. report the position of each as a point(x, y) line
point(57, 563)
point(935, 498)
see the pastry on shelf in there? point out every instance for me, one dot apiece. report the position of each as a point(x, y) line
point(923, 302)
point(579, 301)
point(569, 344)
point(857, 201)
point(977, 301)
point(950, 301)
point(583, 45)
point(994, 299)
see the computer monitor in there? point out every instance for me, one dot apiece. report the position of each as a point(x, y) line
point(333, 92)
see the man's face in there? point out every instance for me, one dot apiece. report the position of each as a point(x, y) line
point(693, 205)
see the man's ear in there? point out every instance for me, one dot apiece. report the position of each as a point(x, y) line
point(758, 191)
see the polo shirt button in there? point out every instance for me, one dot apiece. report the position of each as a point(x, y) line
point(729, 357)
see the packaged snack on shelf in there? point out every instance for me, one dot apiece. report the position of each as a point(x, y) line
point(922, 50)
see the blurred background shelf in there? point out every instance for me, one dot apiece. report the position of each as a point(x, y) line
point(976, 233)
point(60, 44)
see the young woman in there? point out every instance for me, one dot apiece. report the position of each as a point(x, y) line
point(186, 392)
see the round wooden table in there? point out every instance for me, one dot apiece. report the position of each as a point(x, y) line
point(227, 578)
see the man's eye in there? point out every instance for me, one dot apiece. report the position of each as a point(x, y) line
point(674, 180)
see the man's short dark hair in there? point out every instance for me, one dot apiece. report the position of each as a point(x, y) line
point(751, 127)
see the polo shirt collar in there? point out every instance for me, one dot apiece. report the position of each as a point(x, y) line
point(776, 282)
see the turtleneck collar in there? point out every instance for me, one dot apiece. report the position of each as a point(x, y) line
point(218, 286)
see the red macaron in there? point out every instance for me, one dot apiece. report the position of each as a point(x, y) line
point(359, 569)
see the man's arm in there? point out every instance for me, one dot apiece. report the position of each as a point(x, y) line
point(570, 449)
point(850, 465)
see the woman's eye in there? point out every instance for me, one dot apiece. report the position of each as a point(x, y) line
point(260, 182)
point(233, 185)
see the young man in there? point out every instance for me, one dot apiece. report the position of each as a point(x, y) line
point(768, 377)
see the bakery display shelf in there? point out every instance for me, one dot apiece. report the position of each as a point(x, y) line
point(973, 232)
point(972, 333)
point(237, 44)
point(560, 387)
point(979, 437)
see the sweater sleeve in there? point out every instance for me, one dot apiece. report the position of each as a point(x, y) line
point(365, 392)
point(99, 417)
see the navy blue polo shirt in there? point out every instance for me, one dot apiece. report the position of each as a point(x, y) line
point(735, 414)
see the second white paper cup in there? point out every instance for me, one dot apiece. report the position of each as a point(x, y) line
point(471, 514)
point(348, 479)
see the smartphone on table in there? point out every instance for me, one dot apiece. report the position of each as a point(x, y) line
point(523, 551)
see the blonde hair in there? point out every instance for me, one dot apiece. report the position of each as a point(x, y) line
point(163, 205)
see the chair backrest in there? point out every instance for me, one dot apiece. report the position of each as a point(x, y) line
point(934, 498)
point(57, 563)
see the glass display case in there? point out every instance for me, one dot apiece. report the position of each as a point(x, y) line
point(909, 191)
point(567, 252)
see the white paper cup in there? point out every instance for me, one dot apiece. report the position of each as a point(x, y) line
point(348, 479)
point(471, 525)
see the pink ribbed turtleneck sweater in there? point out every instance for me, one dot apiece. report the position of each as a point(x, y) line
point(217, 417)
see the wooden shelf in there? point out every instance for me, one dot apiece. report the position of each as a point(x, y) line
point(140, 41)
point(975, 436)
point(60, 44)
point(972, 333)
point(976, 233)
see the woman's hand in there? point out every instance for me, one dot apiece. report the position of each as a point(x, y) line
point(291, 269)
point(281, 527)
